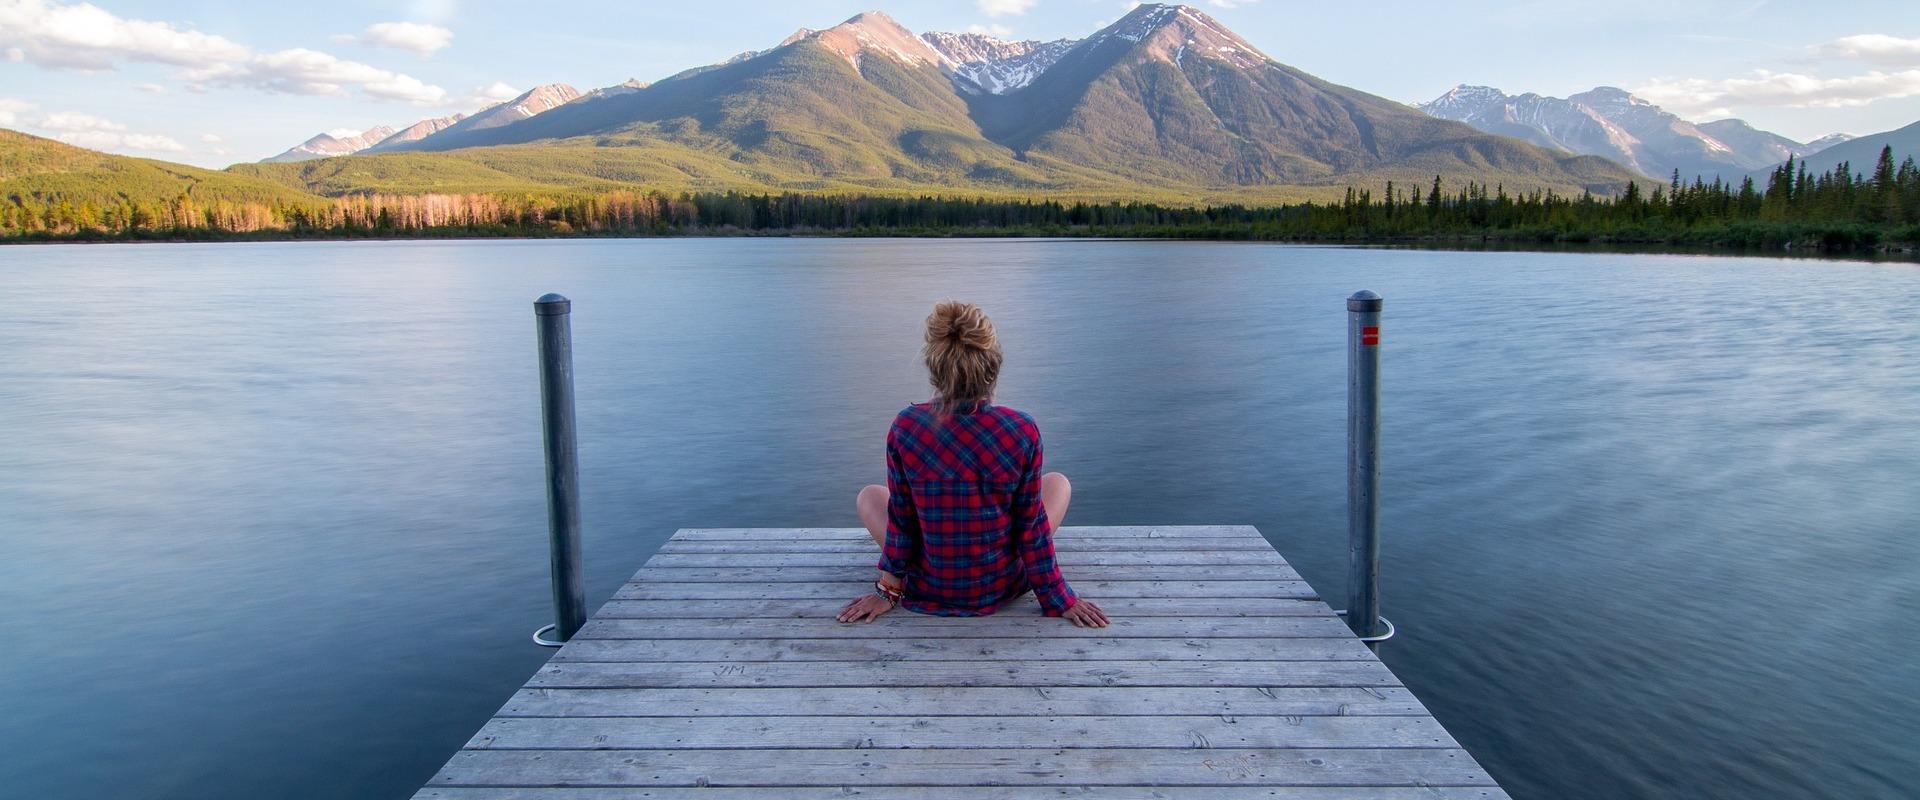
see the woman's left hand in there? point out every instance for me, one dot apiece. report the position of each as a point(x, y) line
point(1086, 614)
point(866, 609)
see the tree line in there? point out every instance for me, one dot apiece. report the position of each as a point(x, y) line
point(1837, 210)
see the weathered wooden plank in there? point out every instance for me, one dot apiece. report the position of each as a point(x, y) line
point(1020, 673)
point(973, 793)
point(957, 649)
point(865, 571)
point(1067, 560)
point(946, 733)
point(1104, 591)
point(1189, 544)
point(1012, 622)
point(868, 701)
point(1113, 767)
point(830, 607)
point(1069, 532)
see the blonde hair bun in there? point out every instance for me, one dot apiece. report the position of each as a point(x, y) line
point(963, 353)
point(963, 324)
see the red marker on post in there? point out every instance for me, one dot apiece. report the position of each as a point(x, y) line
point(1370, 337)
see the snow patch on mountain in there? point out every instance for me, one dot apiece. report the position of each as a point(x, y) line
point(983, 64)
point(1143, 22)
point(1829, 140)
point(628, 86)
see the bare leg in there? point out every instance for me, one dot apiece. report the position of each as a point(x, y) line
point(872, 505)
point(1055, 492)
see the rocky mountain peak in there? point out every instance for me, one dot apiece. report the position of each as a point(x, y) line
point(1463, 100)
point(871, 32)
point(543, 98)
point(1611, 96)
point(1176, 33)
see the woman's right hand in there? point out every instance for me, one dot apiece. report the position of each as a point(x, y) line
point(1086, 614)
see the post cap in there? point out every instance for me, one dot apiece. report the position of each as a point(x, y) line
point(552, 305)
point(1364, 301)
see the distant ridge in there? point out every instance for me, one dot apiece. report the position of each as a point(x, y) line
point(532, 103)
point(1616, 125)
point(1861, 154)
point(327, 145)
point(415, 132)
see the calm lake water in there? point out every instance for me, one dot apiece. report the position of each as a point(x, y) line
point(272, 522)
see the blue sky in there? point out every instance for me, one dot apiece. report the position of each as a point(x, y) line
point(213, 83)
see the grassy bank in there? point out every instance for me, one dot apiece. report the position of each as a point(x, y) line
point(1738, 238)
point(1838, 212)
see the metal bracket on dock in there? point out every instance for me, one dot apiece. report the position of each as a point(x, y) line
point(550, 643)
point(1368, 639)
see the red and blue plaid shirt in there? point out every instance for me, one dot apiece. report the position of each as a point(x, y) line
point(965, 524)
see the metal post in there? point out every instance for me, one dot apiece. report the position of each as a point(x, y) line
point(553, 315)
point(1363, 464)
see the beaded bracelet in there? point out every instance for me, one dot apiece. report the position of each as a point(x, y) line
point(893, 595)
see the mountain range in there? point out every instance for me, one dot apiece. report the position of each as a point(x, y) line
point(385, 140)
point(1616, 125)
point(1164, 104)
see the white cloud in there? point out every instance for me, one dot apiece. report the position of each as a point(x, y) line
point(84, 130)
point(11, 109)
point(151, 88)
point(1000, 31)
point(87, 37)
point(74, 121)
point(1701, 98)
point(115, 140)
point(497, 92)
point(212, 138)
point(414, 37)
point(1874, 48)
point(311, 72)
point(1231, 3)
point(1004, 8)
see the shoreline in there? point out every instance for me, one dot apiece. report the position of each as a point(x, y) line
point(1581, 242)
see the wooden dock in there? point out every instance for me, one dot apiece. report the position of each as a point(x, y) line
point(720, 673)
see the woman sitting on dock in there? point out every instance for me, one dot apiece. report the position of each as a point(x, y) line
point(965, 523)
